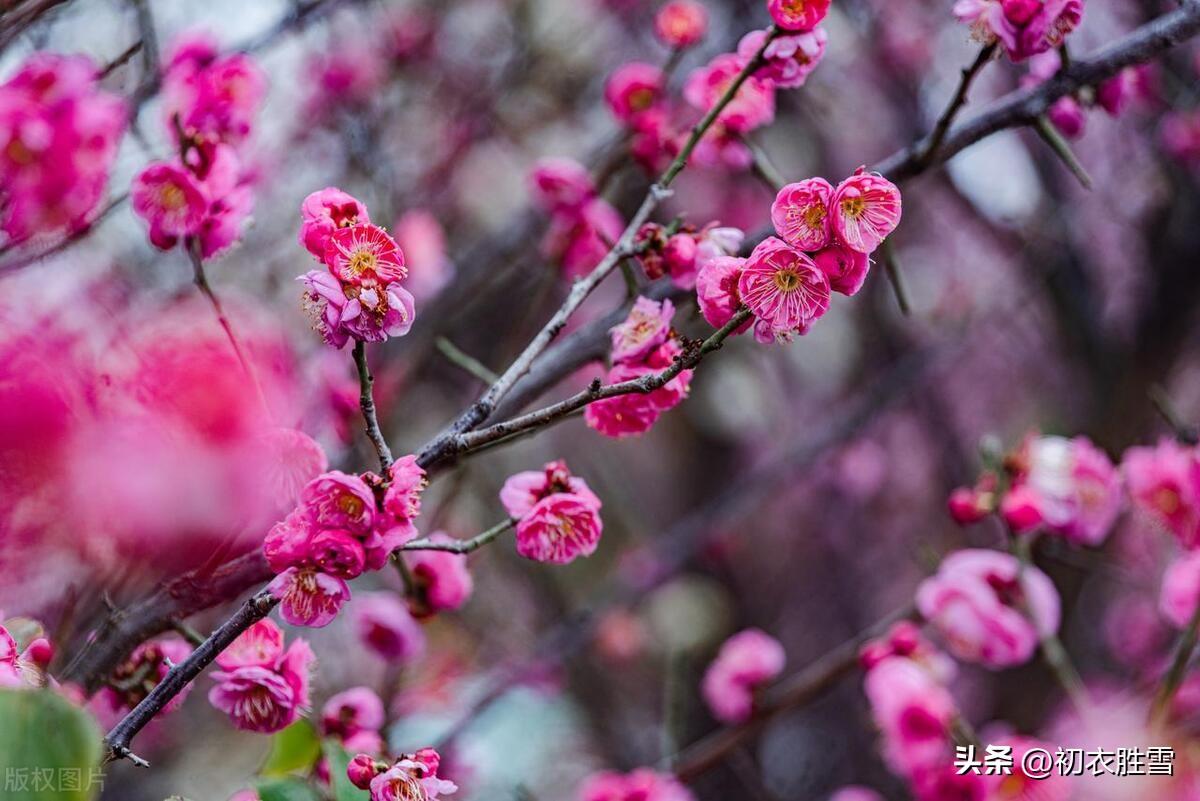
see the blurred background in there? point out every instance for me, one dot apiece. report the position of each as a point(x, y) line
point(800, 489)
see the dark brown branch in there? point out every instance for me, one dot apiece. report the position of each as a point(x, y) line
point(957, 102)
point(366, 401)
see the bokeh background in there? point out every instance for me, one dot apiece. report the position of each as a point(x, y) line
point(800, 489)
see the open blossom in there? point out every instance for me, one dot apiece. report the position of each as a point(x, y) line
point(269, 690)
point(309, 597)
point(790, 59)
point(170, 200)
point(846, 269)
point(560, 184)
point(402, 500)
point(798, 15)
point(1164, 485)
point(1067, 486)
point(522, 491)
point(208, 94)
point(58, 138)
point(1181, 590)
point(442, 579)
point(633, 88)
point(642, 784)
point(747, 661)
point(364, 255)
point(647, 326)
point(324, 212)
point(801, 216)
point(339, 500)
point(783, 287)
point(558, 517)
point(681, 23)
point(989, 608)
point(914, 712)
point(412, 778)
point(752, 107)
point(1024, 27)
point(717, 289)
point(352, 711)
point(636, 412)
point(385, 625)
point(866, 208)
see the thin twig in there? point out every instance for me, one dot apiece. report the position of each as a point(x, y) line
point(366, 401)
point(460, 546)
point(1062, 148)
point(460, 358)
point(957, 102)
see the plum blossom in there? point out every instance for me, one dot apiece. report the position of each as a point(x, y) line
point(990, 608)
point(522, 491)
point(352, 711)
point(684, 253)
point(855, 793)
point(790, 59)
point(324, 212)
point(1024, 27)
point(364, 255)
point(269, 689)
point(635, 413)
point(846, 269)
point(642, 784)
point(142, 670)
point(681, 23)
point(208, 95)
point(58, 138)
point(580, 237)
point(1164, 485)
point(442, 580)
point(1181, 590)
point(798, 15)
point(558, 516)
point(752, 107)
point(866, 208)
point(1067, 486)
point(413, 777)
point(717, 290)
point(914, 712)
point(633, 89)
point(386, 627)
point(309, 597)
point(783, 288)
point(801, 215)
point(905, 640)
point(747, 661)
point(560, 184)
point(647, 326)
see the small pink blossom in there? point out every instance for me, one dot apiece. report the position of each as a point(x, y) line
point(362, 769)
point(139, 673)
point(308, 597)
point(327, 306)
point(789, 59)
point(559, 529)
point(679, 257)
point(443, 581)
point(1164, 484)
point(337, 553)
point(265, 698)
point(866, 208)
point(522, 491)
point(801, 214)
point(402, 499)
point(412, 778)
point(914, 712)
point(846, 269)
point(1019, 785)
point(905, 639)
point(364, 255)
point(979, 601)
point(969, 505)
point(352, 711)
point(642, 784)
point(170, 200)
point(633, 89)
point(375, 313)
point(261, 645)
point(681, 23)
point(339, 500)
point(783, 287)
point(560, 184)
point(798, 15)
point(717, 289)
point(1024, 27)
point(207, 95)
point(385, 625)
point(324, 212)
point(580, 238)
point(636, 412)
point(747, 661)
point(752, 107)
point(647, 326)
point(1181, 590)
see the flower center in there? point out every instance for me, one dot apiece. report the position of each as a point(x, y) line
point(787, 280)
point(362, 261)
point(352, 505)
point(795, 6)
point(854, 207)
point(641, 99)
point(171, 198)
point(1166, 500)
point(814, 215)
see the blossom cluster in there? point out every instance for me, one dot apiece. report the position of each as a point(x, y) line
point(747, 661)
point(642, 345)
point(58, 137)
point(825, 237)
point(1069, 113)
point(203, 194)
point(558, 516)
point(411, 777)
point(1023, 27)
point(343, 525)
point(261, 686)
point(683, 253)
point(358, 295)
point(583, 225)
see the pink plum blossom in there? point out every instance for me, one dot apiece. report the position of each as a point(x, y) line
point(339, 500)
point(855, 793)
point(717, 289)
point(309, 597)
point(1181, 590)
point(632, 89)
point(846, 269)
point(790, 59)
point(208, 95)
point(989, 608)
point(443, 580)
point(522, 491)
point(170, 200)
point(798, 15)
point(579, 238)
point(385, 625)
point(866, 208)
point(642, 784)
point(636, 412)
point(783, 287)
point(412, 778)
point(752, 107)
point(1019, 785)
point(560, 528)
point(681, 23)
point(801, 215)
point(352, 711)
point(260, 645)
point(905, 639)
point(141, 671)
point(364, 256)
point(324, 212)
point(1024, 27)
point(1164, 485)
point(914, 712)
point(402, 500)
point(560, 184)
point(265, 698)
point(747, 661)
point(647, 326)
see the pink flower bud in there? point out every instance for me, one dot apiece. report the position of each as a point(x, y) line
point(362, 769)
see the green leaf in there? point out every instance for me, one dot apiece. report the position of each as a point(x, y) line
point(49, 748)
point(343, 790)
point(295, 748)
point(287, 790)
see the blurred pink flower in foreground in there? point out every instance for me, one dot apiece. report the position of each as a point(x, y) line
point(1181, 590)
point(752, 107)
point(914, 712)
point(681, 23)
point(747, 661)
point(1164, 485)
point(642, 784)
point(265, 692)
point(442, 580)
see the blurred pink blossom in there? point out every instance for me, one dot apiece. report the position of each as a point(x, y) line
point(747, 661)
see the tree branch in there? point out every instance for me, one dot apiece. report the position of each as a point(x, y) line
point(366, 401)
